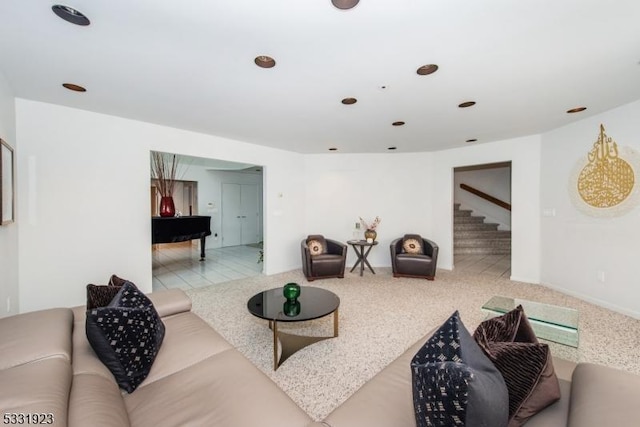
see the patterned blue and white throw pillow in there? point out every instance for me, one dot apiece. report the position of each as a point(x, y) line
point(126, 335)
point(455, 384)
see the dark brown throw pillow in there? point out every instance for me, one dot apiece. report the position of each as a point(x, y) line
point(525, 364)
point(100, 295)
point(117, 281)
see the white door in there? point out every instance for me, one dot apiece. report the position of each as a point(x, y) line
point(231, 215)
point(249, 209)
point(239, 214)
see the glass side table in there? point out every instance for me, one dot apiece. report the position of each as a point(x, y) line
point(549, 322)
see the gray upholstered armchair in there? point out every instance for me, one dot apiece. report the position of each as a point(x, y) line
point(414, 256)
point(322, 258)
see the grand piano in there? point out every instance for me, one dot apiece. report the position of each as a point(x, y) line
point(180, 229)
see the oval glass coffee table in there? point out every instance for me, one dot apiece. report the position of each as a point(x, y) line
point(313, 303)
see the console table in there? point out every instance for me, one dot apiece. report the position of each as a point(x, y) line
point(549, 322)
point(180, 229)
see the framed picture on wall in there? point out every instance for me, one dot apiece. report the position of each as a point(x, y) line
point(7, 199)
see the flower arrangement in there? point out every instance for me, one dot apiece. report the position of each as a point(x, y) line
point(372, 225)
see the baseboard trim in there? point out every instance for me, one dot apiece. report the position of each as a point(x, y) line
point(524, 280)
point(596, 301)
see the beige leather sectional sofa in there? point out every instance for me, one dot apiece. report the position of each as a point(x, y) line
point(198, 379)
point(48, 369)
point(591, 396)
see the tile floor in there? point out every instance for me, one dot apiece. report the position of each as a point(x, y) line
point(489, 265)
point(179, 266)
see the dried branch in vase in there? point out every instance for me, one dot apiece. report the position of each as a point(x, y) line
point(164, 167)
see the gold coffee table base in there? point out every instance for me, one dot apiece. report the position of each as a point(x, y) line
point(291, 343)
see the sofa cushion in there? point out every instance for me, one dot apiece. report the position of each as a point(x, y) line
point(603, 396)
point(39, 387)
point(526, 365)
point(96, 401)
point(223, 390)
point(126, 336)
point(454, 383)
point(35, 335)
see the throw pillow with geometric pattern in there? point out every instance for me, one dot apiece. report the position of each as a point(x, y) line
point(455, 384)
point(126, 336)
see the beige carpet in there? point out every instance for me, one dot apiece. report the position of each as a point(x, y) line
point(380, 317)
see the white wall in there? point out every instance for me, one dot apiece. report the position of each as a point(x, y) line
point(524, 154)
point(83, 181)
point(83, 202)
point(9, 290)
point(575, 247)
point(340, 188)
point(496, 182)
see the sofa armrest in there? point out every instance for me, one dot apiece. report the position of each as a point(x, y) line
point(170, 302)
point(603, 396)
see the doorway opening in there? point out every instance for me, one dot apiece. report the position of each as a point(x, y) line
point(200, 190)
point(482, 219)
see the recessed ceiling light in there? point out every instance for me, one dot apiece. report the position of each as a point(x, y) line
point(471, 140)
point(75, 88)
point(265, 61)
point(345, 4)
point(467, 104)
point(349, 101)
point(398, 123)
point(333, 149)
point(69, 14)
point(427, 69)
point(576, 110)
point(392, 148)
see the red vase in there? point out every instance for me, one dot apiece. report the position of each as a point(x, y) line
point(167, 208)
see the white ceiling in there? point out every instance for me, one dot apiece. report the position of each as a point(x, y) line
point(189, 64)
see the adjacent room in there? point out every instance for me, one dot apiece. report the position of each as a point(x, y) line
point(322, 213)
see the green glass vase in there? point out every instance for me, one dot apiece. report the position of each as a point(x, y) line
point(291, 291)
point(291, 308)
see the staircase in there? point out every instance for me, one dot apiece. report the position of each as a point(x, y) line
point(471, 235)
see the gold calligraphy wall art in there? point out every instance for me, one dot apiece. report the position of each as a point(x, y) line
point(605, 182)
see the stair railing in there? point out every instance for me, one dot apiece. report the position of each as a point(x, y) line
point(486, 196)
